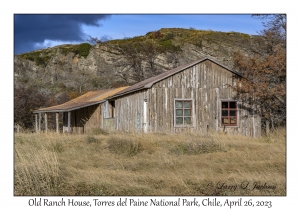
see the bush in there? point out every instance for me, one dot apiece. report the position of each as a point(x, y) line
point(124, 146)
point(156, 35)
point(91, 139)
point(42, 61)
point(58, 147)
point(83, 49)
point(98, 131)
point(37, 57)
point(168, 36)
point(167, 45)
point(197, 147)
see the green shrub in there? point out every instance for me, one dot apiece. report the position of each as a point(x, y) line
point(37, 57)
point(169, 46)
point(83, 49)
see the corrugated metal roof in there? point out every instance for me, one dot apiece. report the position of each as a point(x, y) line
point(150, 81)
point(87, 99)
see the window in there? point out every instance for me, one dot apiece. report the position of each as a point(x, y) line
point(109, 109)
point(112, 107)
point(229, 113)
point(183, 112)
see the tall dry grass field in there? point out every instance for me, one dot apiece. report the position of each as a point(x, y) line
point(149, 164)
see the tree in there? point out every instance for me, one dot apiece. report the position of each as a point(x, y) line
point(150, 53)
point(137, 60)
point(25, 101)
point(264, 82)
point(131, 62)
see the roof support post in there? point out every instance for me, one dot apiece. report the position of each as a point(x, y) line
point(217, 108)
point(46, 122)
point(36, 123)
point(57, 125)
point(69, 122)
point(40, 121)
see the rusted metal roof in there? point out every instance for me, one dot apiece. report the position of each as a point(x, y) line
point(87, 99)
point(150, 81)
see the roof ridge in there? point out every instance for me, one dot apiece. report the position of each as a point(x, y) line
point(145, 84)
point(109, 90)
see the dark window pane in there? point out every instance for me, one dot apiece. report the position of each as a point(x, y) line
point(224, 112)
point(178, 104)
point(179, 112)
point(225, 120)
point(187, 112)
point(232, 120)
point(233, 113)
point(187, 104)
point(232, 105)
point(224, 104)
point(179, 120)
point(187, 120)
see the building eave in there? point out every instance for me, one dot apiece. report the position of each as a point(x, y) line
point(68, 110)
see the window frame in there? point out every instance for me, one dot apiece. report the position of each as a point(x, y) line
point(236, 109)
point(183, 116)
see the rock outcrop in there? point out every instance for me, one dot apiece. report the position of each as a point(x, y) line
point(105, 65)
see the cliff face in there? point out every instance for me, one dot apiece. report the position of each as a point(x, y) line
point(119, 62)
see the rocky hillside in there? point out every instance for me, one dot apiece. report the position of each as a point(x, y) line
point(80, 68)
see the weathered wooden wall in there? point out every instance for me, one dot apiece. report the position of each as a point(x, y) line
point(129, 112)
point(108, 124)
point(84, 119)
point(206, 84)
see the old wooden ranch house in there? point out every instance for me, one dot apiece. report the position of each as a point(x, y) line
point(195, 97)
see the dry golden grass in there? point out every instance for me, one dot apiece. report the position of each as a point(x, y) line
point(151, 164)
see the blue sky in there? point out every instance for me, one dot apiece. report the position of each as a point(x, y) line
point(38, 31)
point(120, 26)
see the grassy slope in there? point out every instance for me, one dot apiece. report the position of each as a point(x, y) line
point(154, 164)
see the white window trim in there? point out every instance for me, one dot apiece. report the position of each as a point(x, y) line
point(192, 114)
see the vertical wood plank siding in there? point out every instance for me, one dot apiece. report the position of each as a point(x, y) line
point(206, 82)
point(130, 112)
point(85, 119)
